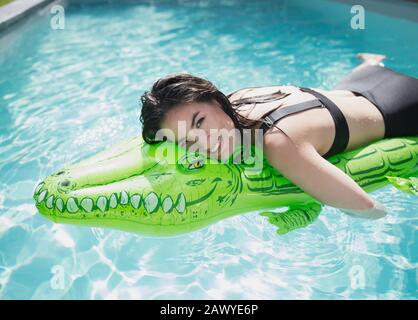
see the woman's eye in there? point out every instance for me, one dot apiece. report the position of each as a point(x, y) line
point(199, 123)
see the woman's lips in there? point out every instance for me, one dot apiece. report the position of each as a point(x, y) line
point(218, 145)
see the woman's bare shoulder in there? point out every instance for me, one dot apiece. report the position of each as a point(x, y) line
point(275, 138)
point(279, 139)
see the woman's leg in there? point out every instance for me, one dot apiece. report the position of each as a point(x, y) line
point(354, 76)
point(369, 59)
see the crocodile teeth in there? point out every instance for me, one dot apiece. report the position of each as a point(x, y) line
point(167, 204)
point(123, 197)
point(42, 196)
point(181, 203)
point(151, 202)
point(38, 187)
point(60, 204)
point(49, 202)
point(87, 204)
point(72, 205)
point(135, 201)
point(113, 202)
point(101, 203)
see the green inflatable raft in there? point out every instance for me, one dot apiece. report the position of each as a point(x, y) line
point(131, 187)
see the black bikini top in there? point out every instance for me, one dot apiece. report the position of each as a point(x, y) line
point(270, 118)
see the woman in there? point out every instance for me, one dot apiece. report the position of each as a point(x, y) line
point(301, 126)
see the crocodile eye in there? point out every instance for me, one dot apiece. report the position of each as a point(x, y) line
point(191, 162)
point(196, 165)
point(65, 183)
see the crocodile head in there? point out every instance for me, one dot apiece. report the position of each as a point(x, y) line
point(147, 189)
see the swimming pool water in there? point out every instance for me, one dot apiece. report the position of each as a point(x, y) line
point(66, 94)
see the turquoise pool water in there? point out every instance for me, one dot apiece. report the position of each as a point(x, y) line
point(66, 94)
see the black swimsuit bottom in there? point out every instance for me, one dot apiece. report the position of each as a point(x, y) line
point(395, 95)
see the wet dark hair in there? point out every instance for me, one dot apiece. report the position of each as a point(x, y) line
point(181, 88)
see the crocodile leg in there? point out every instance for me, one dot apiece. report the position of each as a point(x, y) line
point(408, 185)
point(297, 216)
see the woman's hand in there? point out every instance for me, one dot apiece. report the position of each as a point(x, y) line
point(305, 167)
point(376, 212)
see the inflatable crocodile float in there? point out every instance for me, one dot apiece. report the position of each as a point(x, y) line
point(129, 187)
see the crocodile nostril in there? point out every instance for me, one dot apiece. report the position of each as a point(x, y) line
point(60, 173)
point(65, 183)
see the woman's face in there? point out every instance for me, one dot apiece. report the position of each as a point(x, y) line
point(202, 125)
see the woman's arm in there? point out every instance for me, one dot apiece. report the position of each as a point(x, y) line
point(305, 167)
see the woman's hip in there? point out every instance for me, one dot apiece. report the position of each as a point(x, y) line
point(394, 94)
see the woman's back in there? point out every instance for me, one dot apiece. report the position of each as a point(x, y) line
point(315, 125)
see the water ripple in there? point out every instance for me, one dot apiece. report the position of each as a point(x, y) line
point(66, 94)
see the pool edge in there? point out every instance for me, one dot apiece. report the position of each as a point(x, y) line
point(17, 10)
